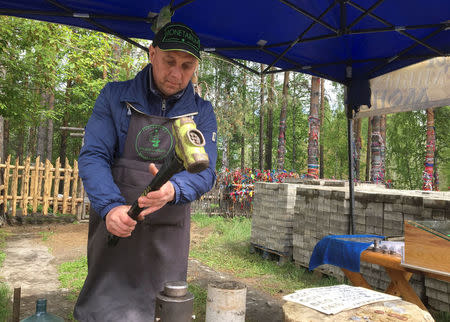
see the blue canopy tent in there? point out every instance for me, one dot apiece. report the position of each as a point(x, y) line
point(347, 41)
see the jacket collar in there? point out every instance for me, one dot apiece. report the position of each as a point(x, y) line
point(137, 87)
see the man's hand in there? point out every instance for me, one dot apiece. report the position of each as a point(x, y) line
point(155, 200)
point(119, 223)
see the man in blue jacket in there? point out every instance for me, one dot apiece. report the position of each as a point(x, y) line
point(127, 138)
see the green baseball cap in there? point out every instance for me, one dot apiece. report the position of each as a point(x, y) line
point(177, 36)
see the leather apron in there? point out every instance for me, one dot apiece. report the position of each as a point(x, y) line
point(123, 281)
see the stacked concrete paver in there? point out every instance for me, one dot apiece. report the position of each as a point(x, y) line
point(438, 294)
point(318, 213)
point(272, 218)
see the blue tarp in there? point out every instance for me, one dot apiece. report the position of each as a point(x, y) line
point(320, 37)
point(341, 250)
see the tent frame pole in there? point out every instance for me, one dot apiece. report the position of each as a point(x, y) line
point(309, 15)
point(350, 165)
point(349, 109)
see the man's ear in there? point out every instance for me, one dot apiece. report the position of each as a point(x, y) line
point(151, 52)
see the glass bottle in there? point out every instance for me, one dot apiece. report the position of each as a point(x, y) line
point(41, 314)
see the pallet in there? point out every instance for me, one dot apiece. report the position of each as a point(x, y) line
point(270, 254)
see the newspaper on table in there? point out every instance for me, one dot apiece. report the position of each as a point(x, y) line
point(338, 298)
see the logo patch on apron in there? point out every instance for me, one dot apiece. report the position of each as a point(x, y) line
point(154, 142)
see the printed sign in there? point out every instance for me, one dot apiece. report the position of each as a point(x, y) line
point(419, 86)
point(338, 298)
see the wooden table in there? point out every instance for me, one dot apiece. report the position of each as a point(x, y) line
point(398, 274)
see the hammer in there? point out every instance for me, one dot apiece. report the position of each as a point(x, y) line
point(189, 154)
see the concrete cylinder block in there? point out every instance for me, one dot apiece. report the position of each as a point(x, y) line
point(226, 302)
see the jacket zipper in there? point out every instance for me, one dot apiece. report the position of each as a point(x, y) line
point(163, 107)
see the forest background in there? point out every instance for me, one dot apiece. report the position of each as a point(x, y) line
point(50, 76)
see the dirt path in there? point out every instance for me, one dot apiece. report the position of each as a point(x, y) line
point(33, 254)
point(32, 263)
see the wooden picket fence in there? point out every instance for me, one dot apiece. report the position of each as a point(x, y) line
point(37, 186)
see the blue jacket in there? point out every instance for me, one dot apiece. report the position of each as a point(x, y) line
point(106, 132)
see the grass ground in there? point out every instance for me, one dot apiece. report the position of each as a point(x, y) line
point(72, 275)
point(5, 292)
point(199, 301)
point(227, 249)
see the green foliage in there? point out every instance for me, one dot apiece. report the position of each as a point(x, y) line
point(442, 125)
point(39, 208)
point(199, 301)
point(441, 316)
point(46, 234)
point(335, 143)
point(230, 91)
point(39, 60)
point(5, 302)
point(2, 245)
point(214, 206)
point(5, 292)
point(235, 95)
point(227, 249)
point(70, 317)
point(203, 221)
point(405, 149)
point(72, 275)
point(297, 124)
